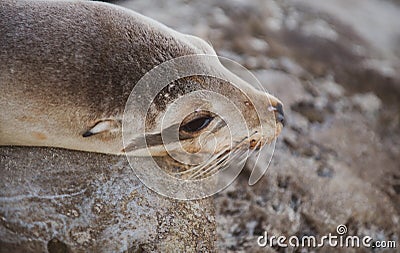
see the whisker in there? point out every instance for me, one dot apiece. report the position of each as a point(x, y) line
point(222, 163)
point(202, 165)
point(218, 160)
point(213, 170)
point(238, 152)
point(195, 174)
point(219, 163)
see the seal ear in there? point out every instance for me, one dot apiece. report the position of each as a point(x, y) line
point(106, 125)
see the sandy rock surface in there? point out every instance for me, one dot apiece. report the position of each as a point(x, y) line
point(68, 201)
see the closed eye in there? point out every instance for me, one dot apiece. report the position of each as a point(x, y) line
point(196, 124)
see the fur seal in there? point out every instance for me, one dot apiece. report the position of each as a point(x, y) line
point(67, 69)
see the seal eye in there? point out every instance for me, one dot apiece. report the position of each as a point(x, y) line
point(196, 124)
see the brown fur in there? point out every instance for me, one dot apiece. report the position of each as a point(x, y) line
point(67, 65)
point(82, 55)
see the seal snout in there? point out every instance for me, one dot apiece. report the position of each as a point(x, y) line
point(279, 114)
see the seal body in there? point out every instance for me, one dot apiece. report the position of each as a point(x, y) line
point(67, 69)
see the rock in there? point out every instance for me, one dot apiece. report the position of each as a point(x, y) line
point(332, 89)
point(291, 66)
point(54, 200)
point(367, 103)
point(289, 87)
point(290, 139)
point(297, 122)
point(310, 111)
point(319, 28)
point(258, 45)
point(220, 18)
point(324, 171)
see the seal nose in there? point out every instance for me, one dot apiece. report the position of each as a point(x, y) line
point(279, 115)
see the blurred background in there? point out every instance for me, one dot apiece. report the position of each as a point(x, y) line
point(335, 65)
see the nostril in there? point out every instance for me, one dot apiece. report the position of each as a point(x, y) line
point(280, 116)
